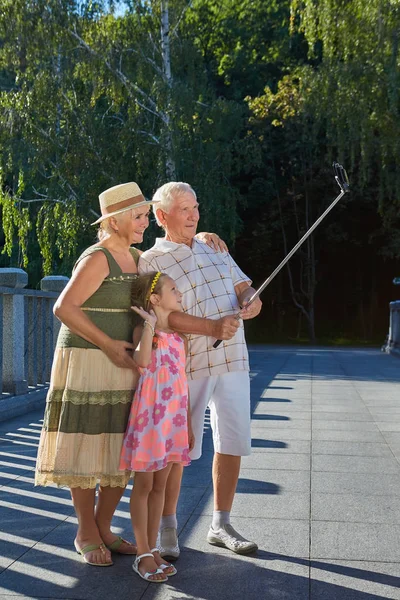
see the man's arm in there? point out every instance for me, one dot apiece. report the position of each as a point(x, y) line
point(221, 329)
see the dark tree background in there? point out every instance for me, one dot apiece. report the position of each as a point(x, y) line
point(248, 100)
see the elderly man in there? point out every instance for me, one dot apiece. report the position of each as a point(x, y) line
point(214, 290)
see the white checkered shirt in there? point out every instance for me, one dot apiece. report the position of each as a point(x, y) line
point(207, 280)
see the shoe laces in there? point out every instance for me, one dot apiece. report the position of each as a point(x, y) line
point(229, 533)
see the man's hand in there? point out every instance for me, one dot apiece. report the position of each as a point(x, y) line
point(244, 292)
point(252, 311)
point(225, 328)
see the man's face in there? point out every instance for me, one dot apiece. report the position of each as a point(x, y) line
point(181, 221)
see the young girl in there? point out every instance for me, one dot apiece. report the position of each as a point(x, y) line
point(158, 432)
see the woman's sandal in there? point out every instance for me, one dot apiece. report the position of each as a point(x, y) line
point(116, 544)
point(91, 548)
point(148, 574)
point(164, 566)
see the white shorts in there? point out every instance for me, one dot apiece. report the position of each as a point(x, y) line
point(228, 397)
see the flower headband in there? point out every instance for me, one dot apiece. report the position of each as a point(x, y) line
point(154, 283)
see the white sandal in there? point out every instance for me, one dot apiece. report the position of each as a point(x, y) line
point(163, 566)
point(148, 574)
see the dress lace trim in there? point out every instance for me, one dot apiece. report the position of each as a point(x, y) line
point(84, 482)
point(77, 397)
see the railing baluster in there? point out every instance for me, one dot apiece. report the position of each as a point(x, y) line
point(32, 341)
point(28, 330)
point(26, 338)
point(49, 339)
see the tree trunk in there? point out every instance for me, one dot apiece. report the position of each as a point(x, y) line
point(170, 166)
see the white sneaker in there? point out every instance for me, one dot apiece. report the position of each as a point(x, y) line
point(227, 537)
point(167, 542)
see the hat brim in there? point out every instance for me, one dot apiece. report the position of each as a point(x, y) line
point(117, 212)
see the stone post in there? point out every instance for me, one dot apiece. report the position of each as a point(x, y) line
point(394, 331)
point(14, 381)
point(51, 283)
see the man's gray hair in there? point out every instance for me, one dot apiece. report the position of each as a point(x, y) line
point(167, 193)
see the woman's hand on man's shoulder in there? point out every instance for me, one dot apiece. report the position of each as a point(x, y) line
point(213, 240)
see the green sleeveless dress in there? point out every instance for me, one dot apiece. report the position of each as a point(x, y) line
point(89, 398)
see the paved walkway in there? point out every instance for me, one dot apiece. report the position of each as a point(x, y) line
point(320, 494)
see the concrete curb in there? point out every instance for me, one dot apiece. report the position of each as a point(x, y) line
point(18, 405)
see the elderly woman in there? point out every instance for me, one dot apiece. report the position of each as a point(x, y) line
point(94, 375)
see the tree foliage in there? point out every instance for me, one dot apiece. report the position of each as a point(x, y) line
point(248, 100)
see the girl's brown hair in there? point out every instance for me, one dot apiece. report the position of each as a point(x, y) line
point(142, 288)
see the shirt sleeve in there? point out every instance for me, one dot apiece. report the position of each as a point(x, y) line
point(146, 264)
point(237, 274)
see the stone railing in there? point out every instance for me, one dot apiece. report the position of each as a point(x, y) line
point(392, 344)
point(28, 332)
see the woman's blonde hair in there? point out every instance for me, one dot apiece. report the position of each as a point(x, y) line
point(105, 227)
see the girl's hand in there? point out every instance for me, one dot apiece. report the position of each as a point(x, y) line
point(146, 316)
point(213, 240)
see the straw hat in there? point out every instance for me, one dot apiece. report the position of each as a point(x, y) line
point(120, 198)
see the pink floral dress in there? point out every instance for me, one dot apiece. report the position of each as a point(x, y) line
point(157, 431)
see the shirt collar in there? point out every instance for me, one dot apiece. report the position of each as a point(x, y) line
point(163, 245)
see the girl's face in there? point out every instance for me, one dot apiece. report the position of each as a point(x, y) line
point(170, 296)
point(134, 224)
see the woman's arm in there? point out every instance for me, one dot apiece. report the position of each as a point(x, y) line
point(86, 279)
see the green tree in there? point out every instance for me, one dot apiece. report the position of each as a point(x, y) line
point(93, 100)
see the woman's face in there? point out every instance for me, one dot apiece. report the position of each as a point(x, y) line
point(133, 224)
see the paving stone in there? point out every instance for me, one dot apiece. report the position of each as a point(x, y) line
point(395, 448)
point(292, 446)
point(391, 411)
point(292, 423)
point(9, 474)
point(392, 437)
point(355, 541)
point(355, 483)
point(272, 481)
point(358, 464)
point(283, 434)
point(382, 402)
point(347, 435)
point(233, 577)
point(292, 462)
point(17, 447)
point(44, 573)
point(195, 476)
point(268, 506)
point(354, 580)
point(355, 508)
point(388, 426)
point(337, 408)
point(350, 448)
point(284, 414)
point(273, 536)
point(343, 399)
point(325, 421)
